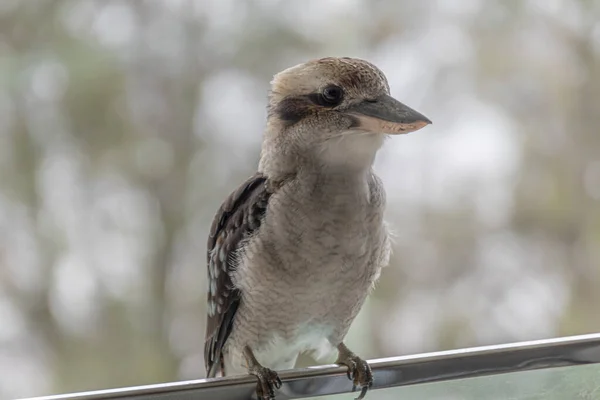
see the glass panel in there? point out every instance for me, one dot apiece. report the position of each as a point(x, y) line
point(566, 383)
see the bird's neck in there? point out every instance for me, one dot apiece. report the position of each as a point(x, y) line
point(347, 158)
point(321, 177)
point(352, 154)
point(335, 181)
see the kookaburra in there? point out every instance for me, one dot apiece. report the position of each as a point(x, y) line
point(296, 248)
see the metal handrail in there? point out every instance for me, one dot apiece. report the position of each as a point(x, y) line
point(388, 372)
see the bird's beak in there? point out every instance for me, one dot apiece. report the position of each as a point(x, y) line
point(387, 115)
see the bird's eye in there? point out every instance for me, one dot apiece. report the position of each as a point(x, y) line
point(332, 95)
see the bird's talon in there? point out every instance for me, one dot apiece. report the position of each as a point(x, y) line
point(359, 372)
point(278, 383)
point(363, 392)
point(267, 381)
point(351, 371)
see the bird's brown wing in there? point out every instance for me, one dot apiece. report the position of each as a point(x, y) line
point(239, 216)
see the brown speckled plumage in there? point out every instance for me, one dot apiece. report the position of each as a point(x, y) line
point(294, 251)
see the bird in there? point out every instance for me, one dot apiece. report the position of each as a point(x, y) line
point(294, 251)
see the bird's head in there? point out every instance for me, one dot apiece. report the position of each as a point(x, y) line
point(332, 112)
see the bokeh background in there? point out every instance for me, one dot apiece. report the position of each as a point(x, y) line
point(123, 124)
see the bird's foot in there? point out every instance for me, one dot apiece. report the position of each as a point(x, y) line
point(268, 380)
point(359, 371)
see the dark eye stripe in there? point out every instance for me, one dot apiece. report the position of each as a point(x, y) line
point(292, 110)
point(317, 98)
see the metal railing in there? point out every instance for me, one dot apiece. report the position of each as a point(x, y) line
point(388, 372)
